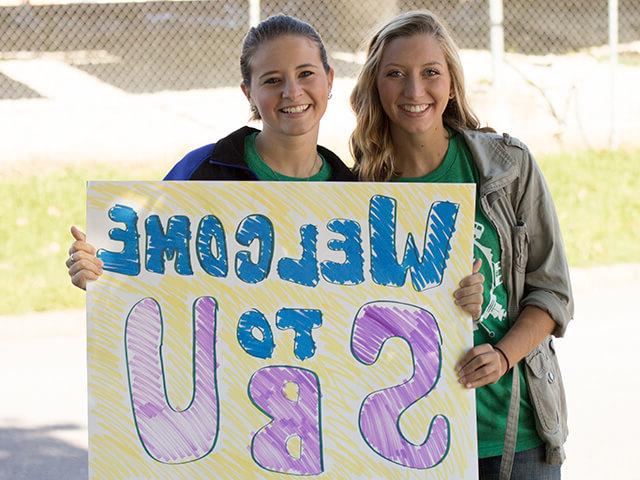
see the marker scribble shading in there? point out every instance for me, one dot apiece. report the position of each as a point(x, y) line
point(298, 417)
point(427, 265)
point(169, 435)
point(380, 412)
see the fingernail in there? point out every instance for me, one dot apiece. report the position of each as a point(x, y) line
point(468, 385)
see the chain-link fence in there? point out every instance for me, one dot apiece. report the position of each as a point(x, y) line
point(152, 46)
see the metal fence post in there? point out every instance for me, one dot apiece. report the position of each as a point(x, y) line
point(613, 60)
point(254, 12)
point(497, 40)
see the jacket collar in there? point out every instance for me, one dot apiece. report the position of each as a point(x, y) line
point(229, 151)
point(496, 166)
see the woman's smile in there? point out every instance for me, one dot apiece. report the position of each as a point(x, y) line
point(295, 109)
point(415, 109)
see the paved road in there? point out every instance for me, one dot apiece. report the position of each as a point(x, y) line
point(43, 416)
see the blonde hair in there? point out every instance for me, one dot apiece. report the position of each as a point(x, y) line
point(370, 143)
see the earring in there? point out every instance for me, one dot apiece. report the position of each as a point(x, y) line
point(330, 95)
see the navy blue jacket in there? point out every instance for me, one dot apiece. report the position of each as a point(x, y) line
point(224, 160)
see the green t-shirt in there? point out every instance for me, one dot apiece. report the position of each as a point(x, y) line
point(264, 172)
point(492, 401)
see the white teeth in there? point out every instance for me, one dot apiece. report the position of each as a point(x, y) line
point(296, 109)
point(414, 108)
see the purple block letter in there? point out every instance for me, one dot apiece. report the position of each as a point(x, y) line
point(291, 417)
point(380, 412)
point(169, 435)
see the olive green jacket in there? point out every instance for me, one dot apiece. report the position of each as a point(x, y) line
point(515, 198)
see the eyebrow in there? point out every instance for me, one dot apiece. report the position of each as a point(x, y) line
point(304, 65)
point(428, 64)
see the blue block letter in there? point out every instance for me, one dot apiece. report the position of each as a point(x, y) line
point(351, 272)
point(303, 271)
point(260, 348)
point(251, 228)
point(174, 242)
point(427, 268)
point(215, 264)
point(302, 321)
point(127, 261)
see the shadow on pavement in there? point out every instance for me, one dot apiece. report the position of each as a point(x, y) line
point(34, 453)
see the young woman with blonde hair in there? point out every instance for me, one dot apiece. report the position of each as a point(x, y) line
point(414, 124)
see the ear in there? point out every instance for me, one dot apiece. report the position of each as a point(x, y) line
point(452, 92)
point(247, 92)
point(330, 74)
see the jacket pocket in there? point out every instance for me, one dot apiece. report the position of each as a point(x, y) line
point(547, 393)
point(519, 255)
point(520, 246)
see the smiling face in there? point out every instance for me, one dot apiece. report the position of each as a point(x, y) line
point(414, 85)
point(289, 86)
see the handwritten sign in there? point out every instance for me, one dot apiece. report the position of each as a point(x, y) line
point(270, 330)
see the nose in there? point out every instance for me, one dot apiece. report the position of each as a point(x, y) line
point(414, 87)
point(291, 90)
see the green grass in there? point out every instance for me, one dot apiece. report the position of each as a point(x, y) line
point(597, 197)
point(596, 194)
point(35, 238)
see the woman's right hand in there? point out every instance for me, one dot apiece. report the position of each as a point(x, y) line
point(82, 263)
point(469, 295)
point(482, 365)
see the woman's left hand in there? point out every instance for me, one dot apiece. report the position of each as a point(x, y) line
point(469, 295)
point(482, 365)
